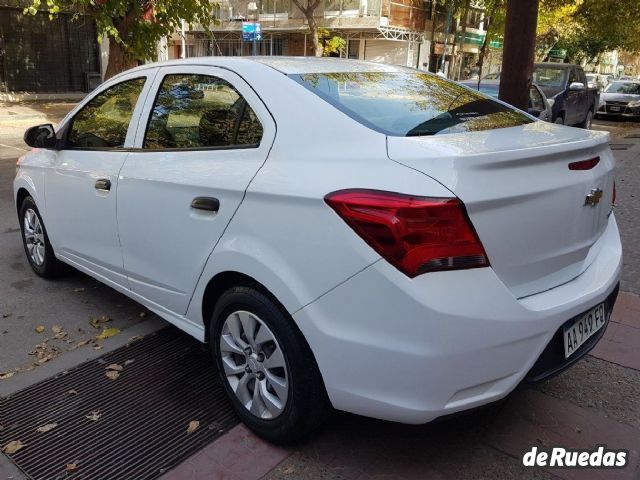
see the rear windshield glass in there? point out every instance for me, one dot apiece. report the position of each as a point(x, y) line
point(410, 103)
point(628, 88)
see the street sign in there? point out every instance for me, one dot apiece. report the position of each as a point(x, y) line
point(251, 31)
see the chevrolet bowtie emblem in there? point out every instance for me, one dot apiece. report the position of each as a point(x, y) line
point(593, 198)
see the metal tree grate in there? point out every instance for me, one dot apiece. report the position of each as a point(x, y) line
point(167, 382)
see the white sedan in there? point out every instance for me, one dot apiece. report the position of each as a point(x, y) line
point(341, 233)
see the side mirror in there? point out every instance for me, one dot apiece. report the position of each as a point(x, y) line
point(576, 87)
point(41, 136)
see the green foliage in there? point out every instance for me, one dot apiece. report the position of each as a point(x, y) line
point(136, 24)
point(331, 44)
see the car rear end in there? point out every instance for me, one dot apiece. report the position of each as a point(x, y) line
point(509, 277)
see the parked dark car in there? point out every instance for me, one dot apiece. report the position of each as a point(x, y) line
point(539, 106)
point(621, 98)
point(565, 85)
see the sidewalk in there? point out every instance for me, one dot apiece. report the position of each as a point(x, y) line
point(33, 111)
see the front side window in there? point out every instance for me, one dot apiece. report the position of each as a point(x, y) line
point(410, 103)
point(535, 98)
point(200, 111)
point(104, 121)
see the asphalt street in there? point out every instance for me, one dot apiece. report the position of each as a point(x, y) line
point(598, 395)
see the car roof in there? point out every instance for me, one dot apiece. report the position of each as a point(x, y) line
point(286, 65)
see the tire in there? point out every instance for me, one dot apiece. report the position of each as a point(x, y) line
point(586, 124)
point(559, 120)
point(277, 415)
point(35, 241)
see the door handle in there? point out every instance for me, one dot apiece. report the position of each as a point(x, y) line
point(103, 184)
point(208, 204)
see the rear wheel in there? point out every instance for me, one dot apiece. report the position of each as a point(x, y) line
point(266, 366)
point(587, 121)
point(36, 242)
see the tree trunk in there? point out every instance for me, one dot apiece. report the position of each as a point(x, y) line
point(485, 42)
point(119, 60)
point(313, 28)
point(518, 52)
point(463, 34)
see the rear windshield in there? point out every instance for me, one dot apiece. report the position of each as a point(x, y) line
point(628, 88)
point(410, 103)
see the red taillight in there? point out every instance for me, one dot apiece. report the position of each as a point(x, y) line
point(415, 234)
point(584, 164)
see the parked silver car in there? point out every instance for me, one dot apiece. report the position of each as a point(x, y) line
point(621, 98)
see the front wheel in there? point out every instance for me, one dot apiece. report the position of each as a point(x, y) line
point(266, 366)
point(36, 242)
point(559, 120)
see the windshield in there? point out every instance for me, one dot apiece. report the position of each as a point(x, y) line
point(550, 77)
point(410, 103)
point(628, 88)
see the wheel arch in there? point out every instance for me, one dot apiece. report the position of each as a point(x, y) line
point(222, 282)
point(21, 194)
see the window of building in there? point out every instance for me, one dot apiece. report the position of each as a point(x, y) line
point(104, 121)
point(474, 18)
point(270, 7)
point(200, 111)
point(341, 5)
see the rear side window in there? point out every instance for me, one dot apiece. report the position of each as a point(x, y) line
point(200, 111)
point(104, 121)
point(535, 98)
point(410, 103)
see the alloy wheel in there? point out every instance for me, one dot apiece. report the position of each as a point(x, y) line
point(254, 364)
point(34, 237)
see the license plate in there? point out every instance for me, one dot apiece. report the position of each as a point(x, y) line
point(615, 109)
point(582, 329)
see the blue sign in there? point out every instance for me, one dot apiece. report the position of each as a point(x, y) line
point(251, 31)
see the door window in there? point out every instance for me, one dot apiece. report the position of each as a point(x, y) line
point(200, 111)
point(537, 103)
point(104, 121)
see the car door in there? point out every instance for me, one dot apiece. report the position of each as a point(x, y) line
point(573, 99)
point(81, 185)
point(202, 137)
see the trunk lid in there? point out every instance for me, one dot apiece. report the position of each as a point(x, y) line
point(526, 205)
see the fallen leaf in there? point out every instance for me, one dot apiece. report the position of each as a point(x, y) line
point(98, 347)
point(45, 359)
point(6, 375)
point(128, 362)
point(108, 333)
point(143, 314)
point(46, 428)
point(80, 289)
point(114, 366)
point(6, 315)
point(71, 467)
point(112, 374)
point(193, 426)
point(12, 447)
point(60, 335)
point(134, 339)
point(95, 322)
point(72, 392)
point(82, 343)
point(94, 416)
point(56, 329)
point(40, 329)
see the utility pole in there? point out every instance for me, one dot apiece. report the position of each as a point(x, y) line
point(518, 53)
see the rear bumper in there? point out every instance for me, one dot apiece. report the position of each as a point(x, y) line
point(412, 350)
